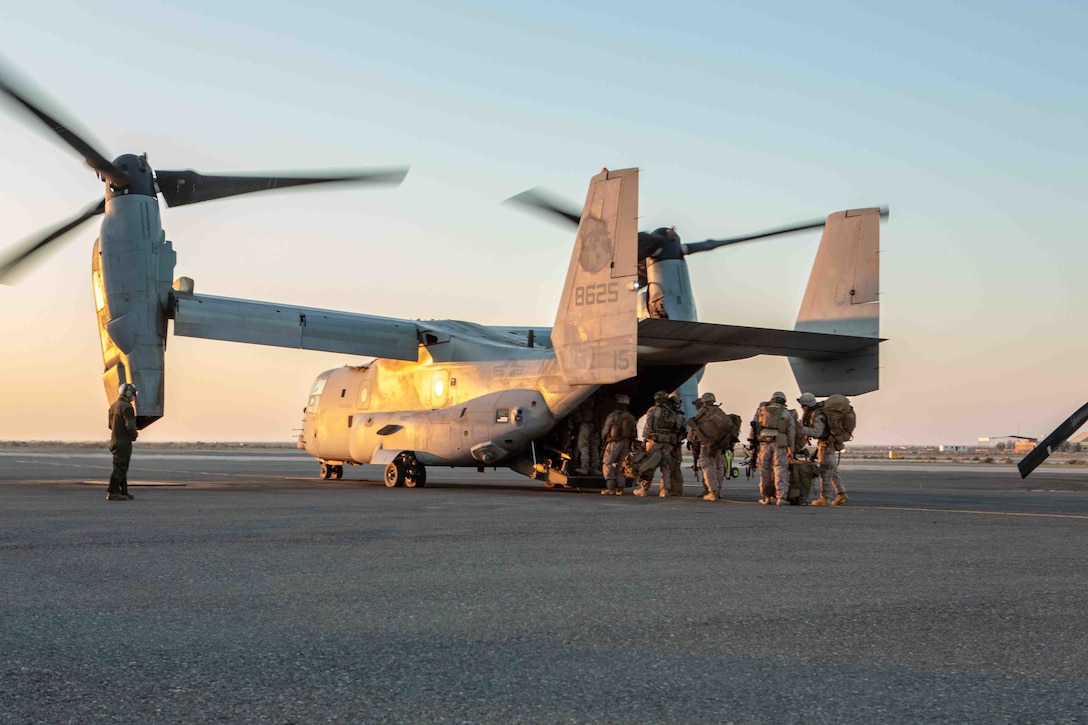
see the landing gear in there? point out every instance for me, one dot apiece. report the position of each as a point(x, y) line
point(333, 471)
point(405, 471)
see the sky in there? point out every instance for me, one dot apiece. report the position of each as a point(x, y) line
point(967, 119)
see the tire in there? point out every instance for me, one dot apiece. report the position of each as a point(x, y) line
point(394, 474)
point(326, 471)
point(736, 473)
point(415, 475)
point(337, 473)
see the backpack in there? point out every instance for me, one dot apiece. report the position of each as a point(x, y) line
point(802, 474)
point(717, 426)
point(735, 435)
point(623, 427)
point(841, 419)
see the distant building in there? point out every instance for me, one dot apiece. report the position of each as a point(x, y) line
point(1024, 445)
point(998, 442)
point(953, 449)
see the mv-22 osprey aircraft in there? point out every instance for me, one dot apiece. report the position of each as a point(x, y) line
point(453, 393)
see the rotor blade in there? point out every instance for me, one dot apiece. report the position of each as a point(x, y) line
point(1046, 446)
point(709, 244)
point(13, 263)
point(538, 200)
point(90, 154)
point(189, 187)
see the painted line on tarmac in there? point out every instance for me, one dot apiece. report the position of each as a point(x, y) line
point(930, 510)
point(978, 513)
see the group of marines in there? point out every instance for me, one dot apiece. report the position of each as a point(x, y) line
point(778, 438)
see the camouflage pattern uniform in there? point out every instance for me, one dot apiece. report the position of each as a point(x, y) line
point(122, 422)
point(814, 424)
point(676, 460)
point(774, 446)
point(616, 447)
point(711, 461)
point(583, 420)
point(660, 432)
point(639, 465)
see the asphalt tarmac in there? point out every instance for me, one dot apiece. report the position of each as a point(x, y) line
point(238, 587)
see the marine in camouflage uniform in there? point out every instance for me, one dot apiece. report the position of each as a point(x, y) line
point(676, 460)
point(122, 422)
point(776, 431)
point(616, 435)
point(814, 424)
point(711, 461)
point(660, 434)
point(584, 419)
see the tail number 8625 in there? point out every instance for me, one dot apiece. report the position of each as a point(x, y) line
point(596, 294)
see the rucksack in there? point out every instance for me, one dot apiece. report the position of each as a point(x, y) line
point(718, 427)
point(623, 427)
point(841, 419)
point(802, 474)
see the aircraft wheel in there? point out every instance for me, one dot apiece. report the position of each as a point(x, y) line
point(415, 476)
point(326, 471)
point(394, 474)
point(337, 473)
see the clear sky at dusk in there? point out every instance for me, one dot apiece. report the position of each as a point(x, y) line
point(967, 119)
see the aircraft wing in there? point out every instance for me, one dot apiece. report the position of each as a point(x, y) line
point(1046, 446)
point(307, 328)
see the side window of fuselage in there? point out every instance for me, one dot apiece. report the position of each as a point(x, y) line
point(315, 395)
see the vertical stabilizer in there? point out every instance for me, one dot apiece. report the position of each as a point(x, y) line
point(842, 298)
point(596, 328)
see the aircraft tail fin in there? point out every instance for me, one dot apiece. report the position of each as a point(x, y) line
point(596, 328)
point(842, 298)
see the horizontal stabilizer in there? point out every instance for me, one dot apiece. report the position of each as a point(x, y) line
point(848, 375)
point(676, 342)
point(1047, 446)
point(307, 328)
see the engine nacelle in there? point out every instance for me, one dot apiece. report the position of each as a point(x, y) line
point(132, 269)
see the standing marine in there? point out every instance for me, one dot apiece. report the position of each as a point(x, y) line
point(616, 436)
point(122, 422)
point(660, 434)
point(711, 462)
point(814, 423)
point(776, 433)
point(676, 460)
point(583, 420)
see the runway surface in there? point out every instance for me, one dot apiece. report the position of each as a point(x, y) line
point(239, 587)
